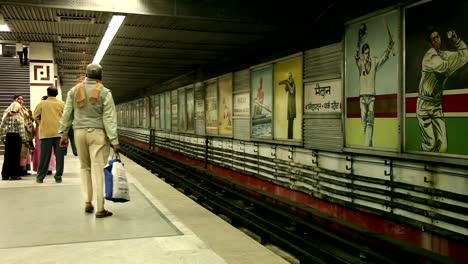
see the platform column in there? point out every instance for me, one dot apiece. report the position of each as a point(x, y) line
point(42, 71)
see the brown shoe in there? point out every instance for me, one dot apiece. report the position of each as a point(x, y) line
point(89, 208)
point(103, 214)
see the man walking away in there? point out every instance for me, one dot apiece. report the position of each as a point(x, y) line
point(90, 108)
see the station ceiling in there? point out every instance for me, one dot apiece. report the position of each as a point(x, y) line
point(166, 44)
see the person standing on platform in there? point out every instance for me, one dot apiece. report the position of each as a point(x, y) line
point(25, 160)
point(90, 108)
point(12, 134)
point(28, 121)
point(22, 52)
point(37, 150)
point(47, 114)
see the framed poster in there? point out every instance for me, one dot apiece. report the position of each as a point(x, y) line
point(167, 107)
point(288, 99)
point(190, 109)
point(241, 105)
point(436, 78)
point(182, 110)
point(155, 120)
point(261, 83)
point(174, 111)
point(372, 82)
point(225, 105)
point(162, 111)
point(211, 100)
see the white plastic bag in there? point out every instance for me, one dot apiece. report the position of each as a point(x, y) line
point(116, 181)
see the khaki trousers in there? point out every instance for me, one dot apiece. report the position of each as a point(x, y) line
point(93, 151)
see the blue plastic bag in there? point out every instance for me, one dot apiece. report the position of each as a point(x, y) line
point(116, 181)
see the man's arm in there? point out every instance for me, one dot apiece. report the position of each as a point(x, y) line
point(37, 112)
point(457, 59)
point(67, 116)
point(291, 88)
point(109, 118)
point(380, 61)
point(356, 55)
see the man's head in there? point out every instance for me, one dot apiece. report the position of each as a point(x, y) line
point(18, 98)
point(365, 50)
point(52, 91)
point(433, 36)
point(94, 71)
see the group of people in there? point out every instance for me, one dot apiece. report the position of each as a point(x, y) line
point(90, 109)
point(18, 124)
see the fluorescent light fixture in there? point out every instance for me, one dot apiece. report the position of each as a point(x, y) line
point(4, 28)
point(112, 29)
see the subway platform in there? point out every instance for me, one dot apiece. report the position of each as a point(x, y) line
point(46, 223)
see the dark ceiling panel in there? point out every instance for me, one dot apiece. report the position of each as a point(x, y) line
point(167, 44)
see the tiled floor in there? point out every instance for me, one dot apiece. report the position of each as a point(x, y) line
point(45, 223)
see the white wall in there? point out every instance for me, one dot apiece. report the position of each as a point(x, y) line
point(42, 71)
point(41, 51)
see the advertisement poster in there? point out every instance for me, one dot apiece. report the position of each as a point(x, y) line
point(162, 112)
point(261, 83)
point(212, 108)
point(167, 106)
point(372, 82)
point(155, 122)
point(190, 110)
point(288, 99)
point(322, 97)
point(436, 78)
point(241, 105)
point(174, 111)
point(182, 112)
point(225, 105)
point(200, 109)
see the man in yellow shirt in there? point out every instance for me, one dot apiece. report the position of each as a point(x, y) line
point(47, 114)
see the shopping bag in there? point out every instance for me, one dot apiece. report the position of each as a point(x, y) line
point(116, 181)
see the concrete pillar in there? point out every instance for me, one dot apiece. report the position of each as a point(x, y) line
point(42, 71)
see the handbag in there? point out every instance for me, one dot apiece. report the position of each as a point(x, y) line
point(116, 181)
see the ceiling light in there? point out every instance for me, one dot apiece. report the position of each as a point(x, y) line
point(112, 29)
point(3, 27)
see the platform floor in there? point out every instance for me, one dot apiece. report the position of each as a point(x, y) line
point(46, 223)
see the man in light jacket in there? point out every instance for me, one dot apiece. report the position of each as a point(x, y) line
point(90, 107)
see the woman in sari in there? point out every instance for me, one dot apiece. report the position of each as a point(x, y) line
point(13, 134)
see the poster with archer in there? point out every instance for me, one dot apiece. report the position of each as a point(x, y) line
point(371, 86)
